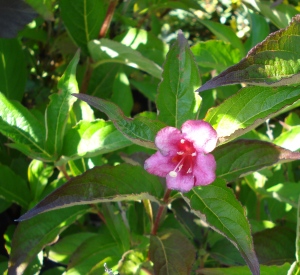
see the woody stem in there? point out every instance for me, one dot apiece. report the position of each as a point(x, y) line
point(160, 212)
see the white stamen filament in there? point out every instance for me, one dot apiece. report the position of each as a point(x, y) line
point(194, 154)
point(178, 167)
point(180, 153)
point(182, 141)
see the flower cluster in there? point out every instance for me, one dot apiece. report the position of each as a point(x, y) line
point(183, 156)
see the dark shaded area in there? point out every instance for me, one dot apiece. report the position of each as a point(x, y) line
point(14, 15)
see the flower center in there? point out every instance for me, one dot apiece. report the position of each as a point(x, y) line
point(184, 159)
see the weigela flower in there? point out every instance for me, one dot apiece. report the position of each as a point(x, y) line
point(183, 156)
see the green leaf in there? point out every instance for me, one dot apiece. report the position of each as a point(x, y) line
point(259, 29)
point(217, 206)
point(247, 109)
point(273, 62)
point(33, 235)
point(242, 157)
point(61, 251)
point(116, 222)
point(102, 184)
point(140, 130)
point(287, 192)
point(102, 80)
point(44, 8)
point(83, 20)
point(122, 95)
point(238, 270)
point(215, 54)
point(92, 254)
point(13, 72)
point(224, 33)
point(172, 253)
point(38, 174)
point(13, 188)
point(108, 51)
point(275, 245)
point(57, 112)
point(88, 139)
point(19, 125)
point(146, 43)
point(280, 15)
point(176, 100)
point(289, 139)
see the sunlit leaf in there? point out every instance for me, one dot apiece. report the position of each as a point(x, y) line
point(140, 130)
point(247, 109)
point(33, 235)
point(273, 62)
point(241, 157)
point(108, 51)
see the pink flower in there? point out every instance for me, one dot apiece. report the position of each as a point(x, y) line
point(183, 155)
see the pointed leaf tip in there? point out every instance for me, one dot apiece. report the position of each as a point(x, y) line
point(273, 62)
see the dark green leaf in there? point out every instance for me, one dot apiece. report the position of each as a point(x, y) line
point(215, 54)
point(274, 62)
point(140, 130)
point(247, 109)
point(224, 33)
point(58, 109)
point(275, 246)
point(13, 188)
point(33, 235)
point(102, 184)
point(13, 72)
point(122, 95)
point(216, 205)
point(44, 8)
point(83, 20)
point(168, 259)
point(176, 99)
point(91, 255)
point(116, 222)
point(241, 157)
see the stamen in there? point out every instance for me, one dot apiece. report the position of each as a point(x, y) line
point(182, 141)
point(194, 154)
point(180, 153)
point(189, 171)
point(173, 174)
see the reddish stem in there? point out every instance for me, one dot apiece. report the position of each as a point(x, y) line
point(108, 17)
point(160, 212)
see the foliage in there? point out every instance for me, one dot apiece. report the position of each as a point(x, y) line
point(84, 89)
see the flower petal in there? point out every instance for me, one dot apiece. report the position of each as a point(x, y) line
point(201, 133)
point(182, 182)
point(204, 169)
point(159, 165)
point(167, 140)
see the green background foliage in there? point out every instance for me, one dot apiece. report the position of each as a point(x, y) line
point(84, 88)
